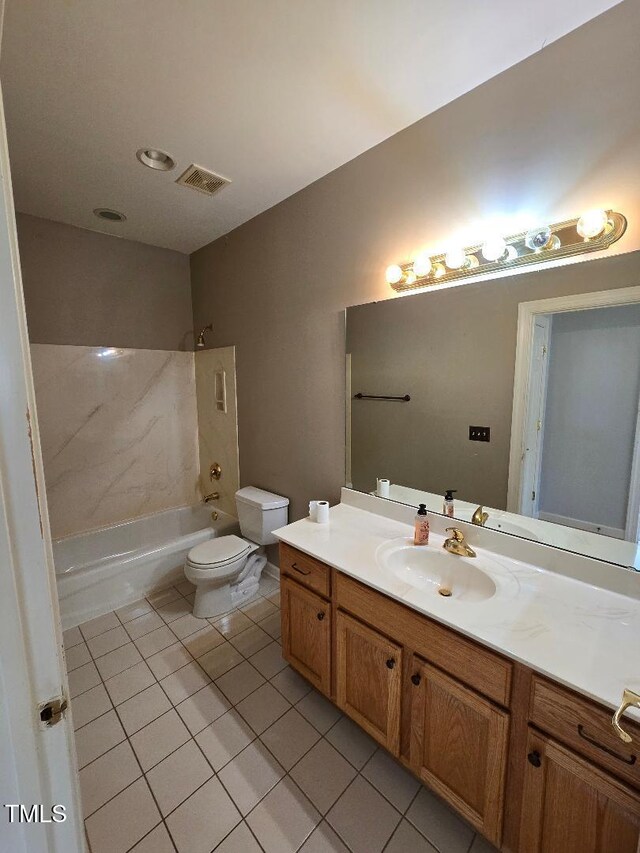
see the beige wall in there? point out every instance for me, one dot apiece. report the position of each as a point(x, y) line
point(88, 289)
point(554, 135)
point(218, 430)
point(454, 352)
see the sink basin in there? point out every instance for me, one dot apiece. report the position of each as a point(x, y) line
point(437, 572)
point(500, 522)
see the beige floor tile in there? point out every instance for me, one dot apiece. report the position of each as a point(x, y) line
point(391, 779)
point(118, 660)
point(71, 637)
point(323, 840)
point(164, 596)
point(220, 660)
point(269, 660)
point(239, 682)
point(263, 707)
point(123, 821)
point(200, 823)
point(202, 708)
point(107, 642)
point(268, 585)
point(224, 739)
point(133, 611)
point(178, 776)
point(284, 819)
point(319, 711)
point(157, 841)
point(289, 738)
point(185, 587)
point(363, 818)
point(274, 598)
point(76, 656)
point(90, 705)
point(240, 840)
point(233, 623)
point(292, 686)
point(251, 641)
point(186, 625)
point(272, 625)
point(174, 609)
point(143, 708)
point(323, 774)
point(83, 679)
point(107, 776)
point(259, 609)
point(439, 824)
point(155, 641)
point(144, 624)
point(99, 625)
point(184, 682)
point(157, 740)
point(250, 775)
point(406, 839)
point(169, 660)
point(349, 739)
point(203, 641)
point(481, 845)
point(191, 598)
point(126, 684)
point(98, 737)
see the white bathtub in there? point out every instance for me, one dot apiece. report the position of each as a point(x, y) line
point(105, 569)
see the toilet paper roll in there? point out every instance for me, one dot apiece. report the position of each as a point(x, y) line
point(313, 510)
point(322, 512)
point(383, 488)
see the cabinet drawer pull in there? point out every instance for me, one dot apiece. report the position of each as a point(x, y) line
point(391, 663)
point(631, 759)
point(416, 679)
point(534, 758)
point(298, 569)
point(321, 616)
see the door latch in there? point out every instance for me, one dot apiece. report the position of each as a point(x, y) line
point(52, 711)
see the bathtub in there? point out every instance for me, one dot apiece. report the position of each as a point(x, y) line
point(102, 570)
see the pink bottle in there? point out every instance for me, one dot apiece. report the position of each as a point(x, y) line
point(421, 529)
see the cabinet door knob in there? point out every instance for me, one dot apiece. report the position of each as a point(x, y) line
point(321, 616)
point(534, 758)
point(391, 663)
point(416, 679)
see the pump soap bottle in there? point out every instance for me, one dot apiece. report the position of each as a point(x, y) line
point(447, 503)
point(421, 529)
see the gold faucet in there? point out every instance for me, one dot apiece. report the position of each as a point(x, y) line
point(479, 517)
point(455, 544)
point(214, 496)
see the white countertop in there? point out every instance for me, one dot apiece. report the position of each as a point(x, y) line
point(584, 636)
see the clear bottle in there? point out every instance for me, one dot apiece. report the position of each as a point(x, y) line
point(421, 528)
point(447, 503)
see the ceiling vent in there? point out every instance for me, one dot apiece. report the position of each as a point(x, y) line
point(202, 180)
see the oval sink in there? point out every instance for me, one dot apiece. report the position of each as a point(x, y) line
point(442, 574)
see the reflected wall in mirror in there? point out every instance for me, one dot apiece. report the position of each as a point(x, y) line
point(548, 362)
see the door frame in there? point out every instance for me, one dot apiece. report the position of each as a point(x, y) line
point(527, 313)
point(535, 416)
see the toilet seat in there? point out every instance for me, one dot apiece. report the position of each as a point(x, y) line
point(219, 551)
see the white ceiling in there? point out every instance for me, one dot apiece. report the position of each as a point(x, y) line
point(272, 94)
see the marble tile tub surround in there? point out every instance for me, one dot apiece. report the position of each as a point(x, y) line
point(118, 430)
point(217, 430)
point(576, 632)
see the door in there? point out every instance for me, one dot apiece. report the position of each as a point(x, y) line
point(306, 633)
point(534, 417)
point(37, 761)
point(369, 680)
point(459, 747)
point(572, 806)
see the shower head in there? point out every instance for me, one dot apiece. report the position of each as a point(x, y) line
point(200, 340)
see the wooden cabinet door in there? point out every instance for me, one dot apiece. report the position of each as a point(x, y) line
point(569, 805)
point(458, 747)
point(369, 680)
point(306, 634)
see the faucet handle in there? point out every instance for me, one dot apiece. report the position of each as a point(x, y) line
point(456, 534)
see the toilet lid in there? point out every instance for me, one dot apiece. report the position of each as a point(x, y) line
point(219, 550)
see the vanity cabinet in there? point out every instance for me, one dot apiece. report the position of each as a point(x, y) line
point(306, 633)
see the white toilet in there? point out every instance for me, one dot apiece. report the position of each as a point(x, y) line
point(226, 570)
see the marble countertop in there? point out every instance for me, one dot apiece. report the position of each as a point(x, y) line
point(583, 636)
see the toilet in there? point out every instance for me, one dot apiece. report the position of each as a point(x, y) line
point(226, 570)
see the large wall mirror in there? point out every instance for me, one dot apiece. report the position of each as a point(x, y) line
point(523, 399)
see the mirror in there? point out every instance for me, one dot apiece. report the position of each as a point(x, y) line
point(520, 394)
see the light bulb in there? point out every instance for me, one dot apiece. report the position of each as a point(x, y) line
point(394, 274)
point(439, 270)
point(541, 238)
point(422, 265)
point(410, 277)
point(592, 223)
point(455, 258)
point(511, 253)
point(494, 248)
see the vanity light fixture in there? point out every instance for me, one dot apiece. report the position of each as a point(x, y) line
point(594, 231)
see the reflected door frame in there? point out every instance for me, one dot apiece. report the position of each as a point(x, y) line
point(528, 313)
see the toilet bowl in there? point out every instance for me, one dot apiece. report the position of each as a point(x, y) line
point(226, 570)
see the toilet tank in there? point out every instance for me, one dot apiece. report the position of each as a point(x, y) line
point(259, 513)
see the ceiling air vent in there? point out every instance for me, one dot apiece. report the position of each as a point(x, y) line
point(202, 180)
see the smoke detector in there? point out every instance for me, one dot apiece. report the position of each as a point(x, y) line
point(202, 180)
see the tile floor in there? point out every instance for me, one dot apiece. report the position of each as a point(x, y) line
point(194, 735)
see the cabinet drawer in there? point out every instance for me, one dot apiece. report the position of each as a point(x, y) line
point(485, 671)
point(586, 727)
point(305, 569)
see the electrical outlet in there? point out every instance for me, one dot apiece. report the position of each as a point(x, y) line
point(479, 433)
